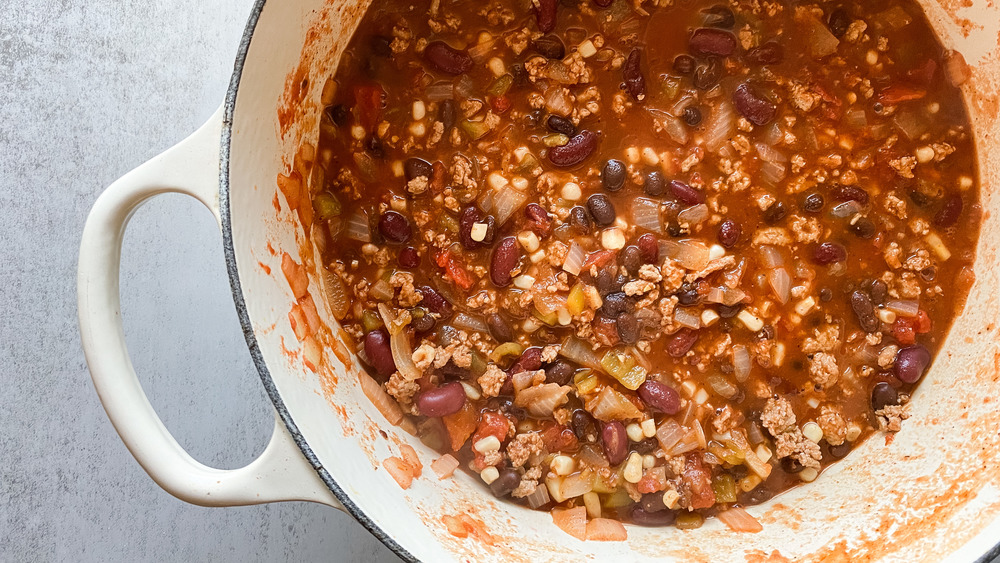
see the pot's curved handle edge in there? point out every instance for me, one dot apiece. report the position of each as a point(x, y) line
point(281, 472)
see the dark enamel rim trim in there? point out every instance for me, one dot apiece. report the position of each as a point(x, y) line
point(241, 308)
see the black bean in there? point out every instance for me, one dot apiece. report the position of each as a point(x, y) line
point(423, 323)
point(631, 259)
point(849, 193)
point(435, 302)
point(862, 227)
point(825, 295)
point(559, 372)
point(549, 46)
point(706, 41)
point(911, 363)
point(560, 124)
point(770, 53)
point(635, 82)
point(628, 328)
point(719, 16)
point(339, 114)
point(655, 184)
point(374, 146)
point(729, 233)
point(582, 423)
point(579, 220)
point(685, 193)
point(827, 253)
point(503, 261)
point(579, 147)
point(840, 451)
point(684, 64)
point(601, 209)
point(775, 213)
point(728, 311)
point(688, 295)
point(394, 227)
point(928, 274)
point(883, 395)
point(409, 258)
point(607, 282)
point(755, 108)
point(416, 167)
point(613, 175)
point(505, 484)
point(446, 58)
point(379, 352)
point(950, 211)
point(813, 203)
point(649, 248)
point(707, 74)
point(790, 465)
point(839, 22)
point(614, 440)
point(652, 502)
point(545, 15)
point(615, 304)
point(603, 3)
point(642, 517)
point(878, 291)
point(660, 397)
point(645, 446)
point(864, 309)
point(692, 116)
point(446, 114)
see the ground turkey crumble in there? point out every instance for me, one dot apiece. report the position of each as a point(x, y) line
point(779, 420)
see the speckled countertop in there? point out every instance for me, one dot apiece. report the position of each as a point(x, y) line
point(89, 90)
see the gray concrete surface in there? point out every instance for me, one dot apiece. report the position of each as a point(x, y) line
point(89, 90)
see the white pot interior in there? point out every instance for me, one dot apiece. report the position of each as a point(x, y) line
point(921, 498)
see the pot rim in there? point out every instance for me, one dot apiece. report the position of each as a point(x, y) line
point(229, 251)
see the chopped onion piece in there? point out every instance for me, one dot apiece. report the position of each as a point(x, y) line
point(720, 126)
point(693, 215)
point(541, 400)
point(740, 520)
point(399, 343)
point(768, 153)
point(846, 209)
point(610, 405)
point(382, 291)
point(692, 254)
point(770, 257)
point(908, 308)
point(576, 350)
point(474, 323)
point(605, 529)
point(357, 227)
point(781, 284)
point(688, 443)
point(506, 202)
point(382, 401)
point(440, 91)
point(574, 259)
point(856, 118)
point(773, 135)
point(673, 126)
point(444, 466)
point(539, 497)
point(576, 485)
point(557, 99)
point(669, 433)
point(773, 172)
point(590, 455)
point(480, 50)
point(741, 363)
point(686, 317)
point(646, 214)
point(722, 386)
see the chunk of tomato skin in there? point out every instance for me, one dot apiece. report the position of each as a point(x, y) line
point(898, 93)
point(903, 332)
point(500, 104)
point(491, 423)
point(699, 482)
point(370, 101)
point(599, 258)
point(460, 425)
point(559, 438)
point(923, 322)
point(458, 273)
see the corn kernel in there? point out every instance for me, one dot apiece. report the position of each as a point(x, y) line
point(419, 110)
point(593, 504)
point(715, 252)
point(562, 465)
point(471, 392)
point(613, 239)
point(689, 388)
point(397, 168)
point(778, 354)
point(563, 316)
point(632, 155)
point(749, 483)
point(490, 474)
point(853, 432)
point(497, 67)
point(763, 453)
point(520, 183)
point(803, 307)
point(524, 281)
point(487, 444)
point(479, 231)
point(648, 461)
point(633, 468)
point(587, 49)
point(648, 428)
point(531, 324)
point(634, 432)
point(924, 154)
point(671, 498)
point(886, 316)
point(528, 240)
point(701, 397)
point(709, 317)
point(937, 245)
point(812, 431)
point(813, 402)
point(650, 157)
point(496, 180)
point(358, 132)
point(749, 320)
point(965, 182)
point(808, 474)
point(554, 484)
point(571, 191)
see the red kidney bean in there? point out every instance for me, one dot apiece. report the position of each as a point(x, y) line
point(883, 395)
point(753, 107)
point(681, 343)
point(579, 147)
point(864, 309)
point(499, 328)
point(549, 46)
point(614, 440)
point(394, 227)
point(950, 211)
point(707, 41)
point(601, 209)
point(469, 217)
point(559, 124)
point(447, 59)
point(911, 363)
point(649, 248)
point(409, 258)
point(505, 258)
point(827, 253)
point(530, 360)
point(849, 193)
point(416, 167)
point(719, 16)
point(685, 193)
point(613, 175)
point(770, 53)
point(559, 372)
point(379, 352)
point(545, 15)
point(655, 184)
point(435, 302)
point(635, 82)
point(729, 233)
point(538, 218)
point(446, 399)
point(879, 291)
point(660, 397)
point(505, 484)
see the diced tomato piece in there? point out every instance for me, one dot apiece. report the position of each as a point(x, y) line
point(500, 104)
point(370, 100)
point(923, 322)
point(924, 73)
point(699, 482)
point(900, 93)
point(902, 330)
point(491, 423)
point(460, 425)
point(454, 268)
point(600, 259)
point(559, 438)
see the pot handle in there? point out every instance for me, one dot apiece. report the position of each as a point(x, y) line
point(281, 473)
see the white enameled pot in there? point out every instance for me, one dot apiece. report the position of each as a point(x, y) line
point(931, 495)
